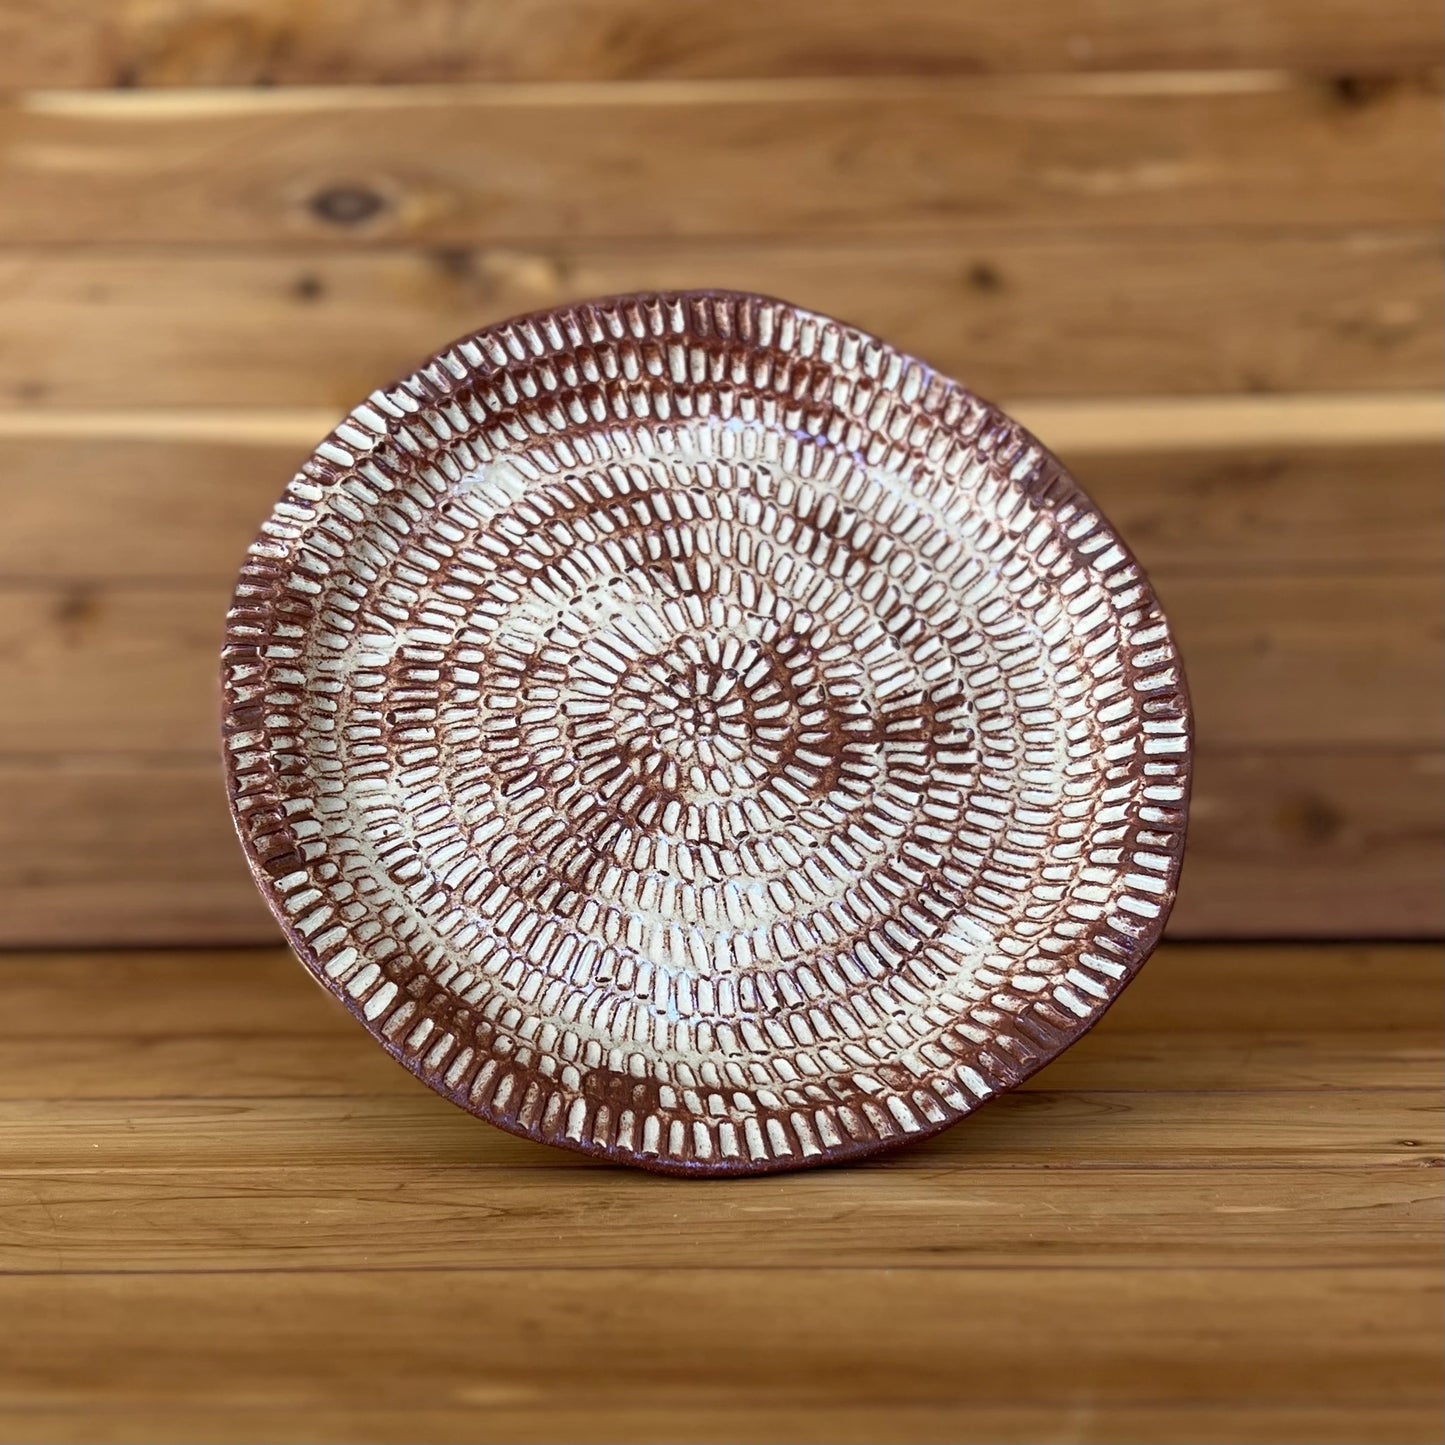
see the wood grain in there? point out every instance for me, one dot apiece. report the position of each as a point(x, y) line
point(1312, 990)
point(334, 1062)
point(689, 1338)
point(254, 1026)
point(1196, 247)
point(1314, 843)
point(1304, 843)
point(122, 852)
point(1233, 1261)
point(882, 159)
point(414, 1128)
point(1166, 1423)
point(1303, 660)
point(270, 42)
point(301, 1219)
point(188, 509)
point(1310, 660)
point(1205, 313)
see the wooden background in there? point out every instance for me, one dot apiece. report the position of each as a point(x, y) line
point(1193, 243)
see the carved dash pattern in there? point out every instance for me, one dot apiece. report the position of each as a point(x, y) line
point(684, 729)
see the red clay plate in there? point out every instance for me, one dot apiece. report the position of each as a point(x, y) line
point(683, 729)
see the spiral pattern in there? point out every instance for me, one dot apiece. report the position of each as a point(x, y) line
point(685, 729)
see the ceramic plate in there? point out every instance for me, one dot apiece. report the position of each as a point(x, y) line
point(684, 729)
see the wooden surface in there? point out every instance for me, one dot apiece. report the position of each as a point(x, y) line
point(225, 1216)
point(1286, 312)
point(273, 42)
point(1309, 611)
point(880, 159)
point(1195, 246)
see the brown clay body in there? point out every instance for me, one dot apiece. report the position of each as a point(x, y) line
point(683, 729)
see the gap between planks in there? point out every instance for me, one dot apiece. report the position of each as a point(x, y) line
point(208, 101)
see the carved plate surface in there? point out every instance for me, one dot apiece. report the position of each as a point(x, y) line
point(684, 729)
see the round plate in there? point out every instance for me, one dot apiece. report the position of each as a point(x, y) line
point(683, 729)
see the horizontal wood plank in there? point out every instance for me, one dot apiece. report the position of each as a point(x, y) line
point(412, 1128)
point(1165, 1423)
point(1313, 660)
point(1304, 660)
point(248, 1023)
point(266, 42)
point(1020, 317)
point(739, 1337)
point(187, 509)
point(1314, 844)
point(1316, 989)
point(1305, 843)
point(1235, 1260)
point(335, 1061)
point(885, 158)
point(1235, 509)
point(293, 1219)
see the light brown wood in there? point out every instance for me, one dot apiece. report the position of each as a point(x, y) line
point(1227, 422)
point(412, 1128)
point(691, 1338)
point(1272, 507)
point(293, 1219)
point(1218, 1264)
point(1301, 843)
point(1313, 990)
point(885, 158)
point(1303, 660)
point(1340, 837)
point(110, 670)
point(1308, 843)
point(305, 1046)
point(1310, 660)
point(130, 850)
point(1197, 314)
point(1314, 843)
point(335, 1062)
point(852, 1424)
point(188, 509)
point(271, 42)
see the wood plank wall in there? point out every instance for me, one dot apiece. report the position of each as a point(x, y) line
point(1194, 244)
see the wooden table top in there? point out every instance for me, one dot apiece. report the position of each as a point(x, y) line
point(225, 1215)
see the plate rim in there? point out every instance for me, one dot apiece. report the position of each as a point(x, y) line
point(852, 1150)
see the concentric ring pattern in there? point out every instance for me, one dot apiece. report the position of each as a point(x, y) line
point(684, 729)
